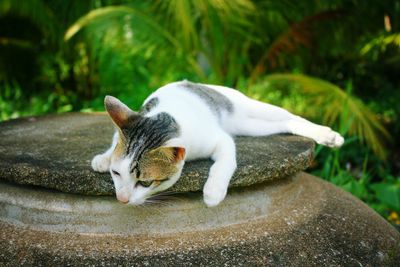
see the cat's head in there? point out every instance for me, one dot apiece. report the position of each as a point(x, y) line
point(141, 164)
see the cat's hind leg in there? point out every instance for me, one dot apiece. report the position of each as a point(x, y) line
point(295, 125)
point(221, 171)
point(322, 135)
point(264, 111)
point(259, 127)
point(101, 162)
point(260, 118)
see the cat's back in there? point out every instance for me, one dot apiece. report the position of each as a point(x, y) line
point(189, 97)
point(193, 115)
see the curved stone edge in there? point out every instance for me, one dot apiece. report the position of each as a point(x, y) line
point(340, 230)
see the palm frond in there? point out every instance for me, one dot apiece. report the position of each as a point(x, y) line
point(183, 18)
point(200, 34)
point(381, 42)
point(332, 102)
point(106, 13)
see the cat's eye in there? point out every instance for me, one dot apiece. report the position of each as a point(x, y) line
point(115, 173)
point(145, 183)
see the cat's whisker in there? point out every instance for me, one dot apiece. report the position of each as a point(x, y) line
point(162, 197)
point(168, 198)
point(155, 201)
point(159, 203)
point(171, 194)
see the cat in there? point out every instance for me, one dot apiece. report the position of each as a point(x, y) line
point(183, 121)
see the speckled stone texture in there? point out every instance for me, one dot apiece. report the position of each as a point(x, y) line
point(305, 222)
point(55, 152)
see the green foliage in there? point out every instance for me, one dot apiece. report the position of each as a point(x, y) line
point(14, 105)
point(381, 43)
point(189, 33)
point(388, 194)
point(59, 56)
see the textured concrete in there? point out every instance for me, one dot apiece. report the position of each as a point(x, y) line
point(300, 221)
point(55, 152)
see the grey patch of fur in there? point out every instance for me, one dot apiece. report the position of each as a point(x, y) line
point(216, 101)
point(145, 133)
point(152, 103)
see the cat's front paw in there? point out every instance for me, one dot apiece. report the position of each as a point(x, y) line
point(213, 194)
point(101, 163)
point(327, 137)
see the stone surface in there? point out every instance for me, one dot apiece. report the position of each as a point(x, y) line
point(55, 152)
point(299, 221)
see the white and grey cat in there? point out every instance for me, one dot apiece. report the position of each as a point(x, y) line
point(183, 121)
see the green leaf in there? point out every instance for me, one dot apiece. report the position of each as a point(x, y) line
point(381, 42)
point(356, 188)
point(104, 13)
point(388, 194)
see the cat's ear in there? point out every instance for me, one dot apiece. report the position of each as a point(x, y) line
point(171, 154)
point(118, 111)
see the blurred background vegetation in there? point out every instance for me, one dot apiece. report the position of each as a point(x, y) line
point(333, 62)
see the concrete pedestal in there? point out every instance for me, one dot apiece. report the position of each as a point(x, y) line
point(55, 211)
point(299, 221)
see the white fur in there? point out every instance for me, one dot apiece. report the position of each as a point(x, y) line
point(101, 162)
point(204, 135)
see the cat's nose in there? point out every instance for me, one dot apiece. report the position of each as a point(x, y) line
point(123, 199)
